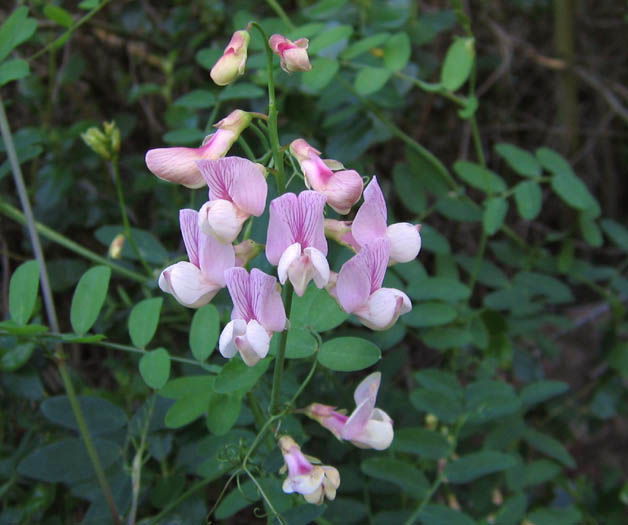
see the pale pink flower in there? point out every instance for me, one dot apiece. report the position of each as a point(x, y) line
point(314, 482)
point(231, 64)
point(367, 426)
point(342, 187)
point(370, 224)
point(296, 242)
point(359, 288)
point(257, 312)
point(237, 190)
point(178, 164)
point(195, 283)
point(292, 55)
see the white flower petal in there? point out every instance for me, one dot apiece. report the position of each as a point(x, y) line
point(220, 218)
point(258, 338)
point(383, 308)
point(226, 343)
point(319, 265)
point(291, 253)
point(187, 284)
point(376, 434)
point(405, 241)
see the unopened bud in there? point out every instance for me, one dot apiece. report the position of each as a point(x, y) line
point(106, 144)
point(431, 421)
point(115, 248)
point(231, 64)
point(246, 251)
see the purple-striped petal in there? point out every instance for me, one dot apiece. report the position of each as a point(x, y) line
point(188, 222)
point(370, 220)
point(266, 302)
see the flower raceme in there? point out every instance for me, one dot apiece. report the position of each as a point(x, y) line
point(370, 224)
point(314, 482)
point(367, 426)
point(178, 164)
point(359, 288)
point(292, 55)
point(237, 190)
point(296, 241)
point(343, 188)
point(231, 64)
point(257, 312)
point(195, 283)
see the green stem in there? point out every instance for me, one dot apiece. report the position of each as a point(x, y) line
point(115, 172)
point(306, 381)
point(212, 117)
point(424, 153)
point(260, 135)
point(64, 36)
point(50, 310)
point(479, 150)
point(281, 354)
point(55, 237)
point(274, 5)
point(247, 149)
point(272, 115)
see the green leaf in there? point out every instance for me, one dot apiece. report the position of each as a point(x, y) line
point(443, 338)
point(185, 136)
point(441, 382)
point(143, 321)
point(561, 516)
point(444, 408)
point(549, 446)
point(208, 57)
point(529, 198)
point(196, 99)
point(458, 63)
point(322, 73)
point(12, 328)
point(432, 241)
point(236, 375)
point(512, 511)
point(204, 331)
point(574, 193)
point(439, 515)
point(616, 232)
point(348, 354)
point(458, 209)
point(487, 400)
point(409, 188)
point(88, 298)
point(58, 15)
point(370, 80)
point(553, 161)
point(241, 90)
point(541, 284)
point(16, 357)
point(490, 274)
point(401, 473)
point(222, 412)
point(495, 210)
point(185, 386)
point(155, 367)
point(520, 160)
point(590, 230)
point(397, 52)
point(480, 178)
point(16, 29)
point(478, 464)
point(188, 409)
point(239, 498)
point(328, 37)
point(364, 45)
point(301, 343)
point(346, 511)
point(442, 288)
point(540, 391)
point(422, 442)
point(316, 310)
point(101, 416)
point(150, 248)
point(67, 461)
point(23, 289)
point(13, 70)
point(430, 314)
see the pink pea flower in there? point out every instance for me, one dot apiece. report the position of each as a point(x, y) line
point(296, 241)
point(195, 283)
point(178, 164)
point(292, 55)
point(367, 426)
point(343, 188)
point(315, 482)
point(359, 288)
point(257, 312)
point(370, 224)
point(237, 190)
point(231, 64)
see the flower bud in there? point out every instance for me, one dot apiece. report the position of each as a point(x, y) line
point(115, 248)
point(293, 55)
point(246, 251)
point(231, 64)
point(340, 231)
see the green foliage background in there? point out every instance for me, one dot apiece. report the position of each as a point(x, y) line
point(507, 381)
